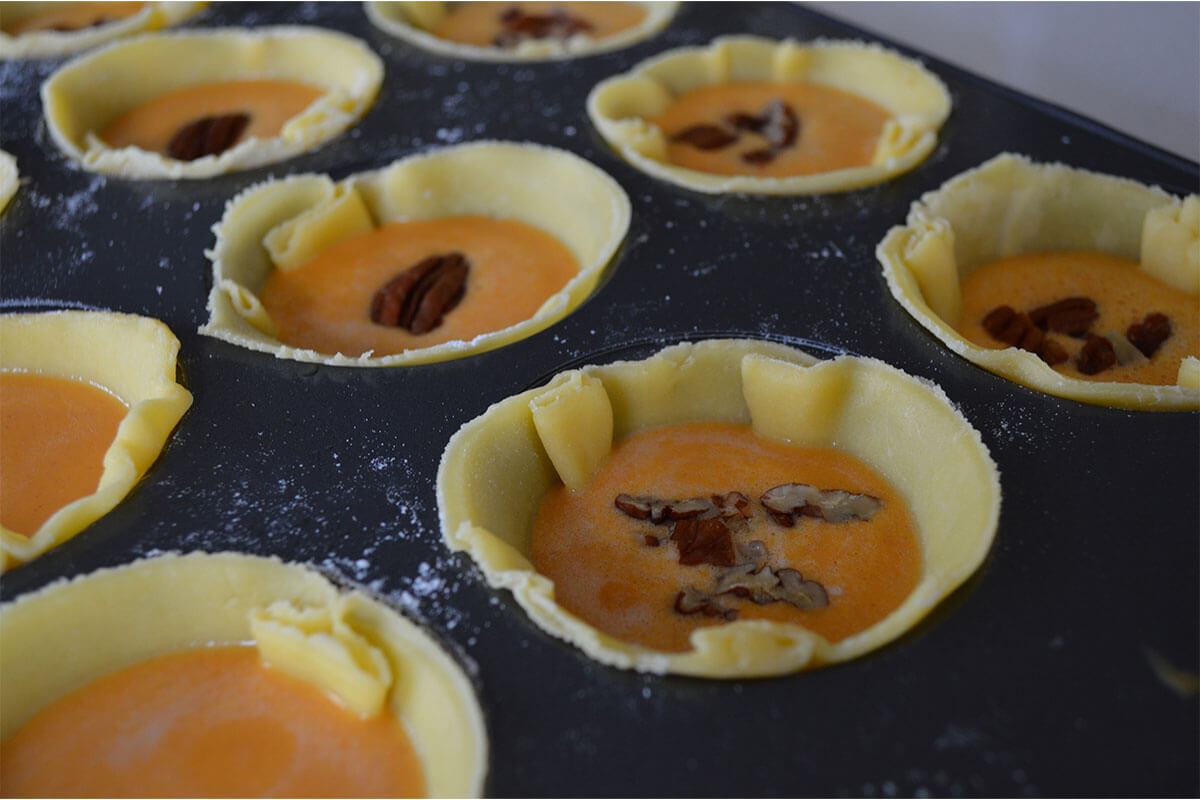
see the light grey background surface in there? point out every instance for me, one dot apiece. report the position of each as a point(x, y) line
point(1132, 66)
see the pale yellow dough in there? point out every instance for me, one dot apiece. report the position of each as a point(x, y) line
point(9, 179)
point(131, 356)
point(918, 101)
point(54, 44)
point(413, 21)
point(367, 655)
point(498, 467)
point(83, 96)
point(1011, 205)
point(284, 223)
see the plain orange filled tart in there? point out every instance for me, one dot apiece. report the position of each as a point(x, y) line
point(1078, 284)
point(521, 31)
point(729, 508)
point(228, 676)
point(198, 104)
point(87, 401)
point(759, 116)
point(433, 257)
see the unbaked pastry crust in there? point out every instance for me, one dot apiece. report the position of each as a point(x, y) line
point(283, 223)
point(9, 179)
point(77, 104)
point(55, 44)
point(1010, 205)
point(74, 631)
point(412, 21)
point(918, 101)
point(131, 356)
point(496, 469)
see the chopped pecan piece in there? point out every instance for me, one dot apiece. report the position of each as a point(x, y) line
point(693, 601)
point(794, 589)
point(749, 581)
point(782, 125)
point(1096, 355)
point(787, 500)
point(759, 157)
point(1149, 334)
point(1019, 330)
point(764, 585)
point(207, 136)
point(519, 26)
point(418, 298)
point(703, 541)
point(731, 505)
point(659, 511)
point(705, 137)
point(1072, 316)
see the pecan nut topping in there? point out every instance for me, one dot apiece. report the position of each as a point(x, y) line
point(1073, 316)
point(519, 26)
point(705, 137)
point(418, 298)
point(789, 500)
point(1096, 355)
point(1019, 330)
point(207, 136)
point(704, 541)
point(1149, 334)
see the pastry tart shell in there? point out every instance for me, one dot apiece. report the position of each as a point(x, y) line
point(412, 22)
point(290, 220)
point(1011, 205)
point(917, 100)
point(497, 468)
point(84, 95)
point(134, 358)
point(55, 44)
point(71, 632)
point(9, 179)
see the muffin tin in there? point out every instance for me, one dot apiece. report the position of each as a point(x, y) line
point(1036, 677)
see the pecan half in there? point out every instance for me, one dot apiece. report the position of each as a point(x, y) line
point(1073, 316)
point(519, 26)
point(777, 123)
point(786, 501)
point(704, 541)
point(1149, 334)
point(207, 136)
point(1096, 355)
point(418, 298)
point(705, 137)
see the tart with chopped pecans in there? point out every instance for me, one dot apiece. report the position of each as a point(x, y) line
point(521, 31)
point(729, 508)
point(1075, 283)
point(434, 257)
point(759, 116)
point(199, 104)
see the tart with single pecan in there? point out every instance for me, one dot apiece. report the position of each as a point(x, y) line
point(437, 256)
point(198, 104)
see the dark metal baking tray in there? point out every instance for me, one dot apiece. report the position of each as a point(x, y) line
point(1033, 678)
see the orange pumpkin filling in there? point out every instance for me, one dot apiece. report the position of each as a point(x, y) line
point(770, 129)
point(326, 304)
point(66, 17)
point(207, 723)
point(269, 104)
point(507, 24)
point(54, 433)
point(607, 573)
point(1112, 300)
